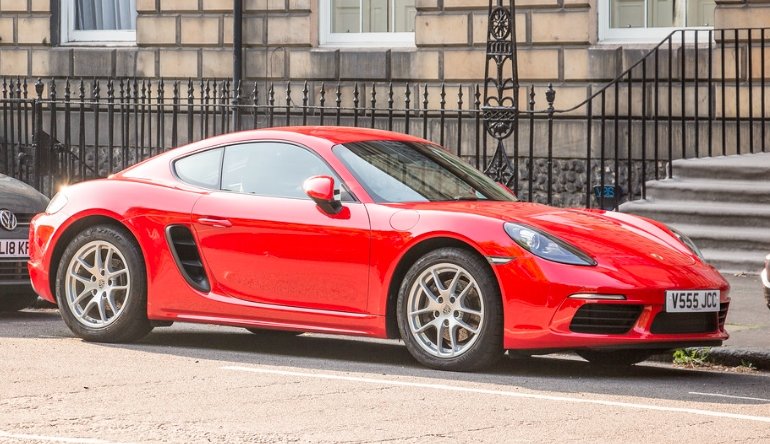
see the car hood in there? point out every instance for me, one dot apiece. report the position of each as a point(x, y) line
point(19, 197)
point(601, 234)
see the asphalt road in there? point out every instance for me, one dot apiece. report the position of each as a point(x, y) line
point(191, 383)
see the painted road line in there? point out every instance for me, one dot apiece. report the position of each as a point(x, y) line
point(452, 388)
point(717, 395)
point(24, 437)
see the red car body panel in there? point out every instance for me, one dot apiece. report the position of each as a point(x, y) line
point(284, 263)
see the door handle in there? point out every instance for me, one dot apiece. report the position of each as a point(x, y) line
point(214, 222)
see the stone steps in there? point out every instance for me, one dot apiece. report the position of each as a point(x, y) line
point(709, 190)
point(722, 203)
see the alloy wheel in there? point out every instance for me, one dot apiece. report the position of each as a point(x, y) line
point(445, 310)
point(97, 284)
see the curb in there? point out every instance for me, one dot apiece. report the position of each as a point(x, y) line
point(759, 358)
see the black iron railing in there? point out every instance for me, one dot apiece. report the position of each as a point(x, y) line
point(697, 93)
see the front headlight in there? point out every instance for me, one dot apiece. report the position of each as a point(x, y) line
point(57, 203)
point(687, 242)
point(548, 247)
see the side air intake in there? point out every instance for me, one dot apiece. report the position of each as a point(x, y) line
point(187, 256)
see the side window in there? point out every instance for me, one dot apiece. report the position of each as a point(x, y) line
point(201, 169)
point(270, 169)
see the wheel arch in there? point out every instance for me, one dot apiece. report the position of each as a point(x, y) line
point(73, 230)
point(405, 263)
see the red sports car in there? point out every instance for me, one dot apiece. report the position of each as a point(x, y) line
point(372, 233)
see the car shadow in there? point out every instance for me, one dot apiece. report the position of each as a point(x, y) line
point(563, 373)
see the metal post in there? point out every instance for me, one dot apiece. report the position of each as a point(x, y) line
point(237, 57)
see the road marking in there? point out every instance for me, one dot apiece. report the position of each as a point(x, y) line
point(23, 437)
point(451, 388)
point(729, 396)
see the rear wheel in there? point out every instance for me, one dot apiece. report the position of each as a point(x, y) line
point(101, 286)
point(614, 358)
point(16, 302)
point(450, 312)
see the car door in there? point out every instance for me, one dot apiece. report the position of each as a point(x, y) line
point(264, 240)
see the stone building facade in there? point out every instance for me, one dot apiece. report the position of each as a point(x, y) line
point(560, 41)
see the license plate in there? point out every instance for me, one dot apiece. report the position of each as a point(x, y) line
point(14, 248)
point(689, 301)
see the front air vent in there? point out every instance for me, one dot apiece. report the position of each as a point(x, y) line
point(682, 323)
point(609, 319)
point(187, 256)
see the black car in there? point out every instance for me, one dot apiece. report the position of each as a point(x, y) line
point(18, 203)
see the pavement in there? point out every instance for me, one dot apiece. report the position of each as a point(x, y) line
point(748, 322)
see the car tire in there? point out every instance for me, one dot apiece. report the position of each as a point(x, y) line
point(450, 312)
point(274, 333)
point(104, 299)
point(16, 302)
point(614, 358)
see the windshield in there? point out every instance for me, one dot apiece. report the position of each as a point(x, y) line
point(394, 171)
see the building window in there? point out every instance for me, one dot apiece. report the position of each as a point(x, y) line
point(358, 23)
point(651, 20)
point(98, 21)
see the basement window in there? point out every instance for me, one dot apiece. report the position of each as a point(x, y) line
point(98, 21)
point(367, 23)
point(652, 20)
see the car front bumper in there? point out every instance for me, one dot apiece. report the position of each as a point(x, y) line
point(539, 311)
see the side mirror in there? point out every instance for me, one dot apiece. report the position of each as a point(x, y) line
point(321, 190)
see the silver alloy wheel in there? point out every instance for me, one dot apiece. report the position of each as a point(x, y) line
point(445, 310)
point(97, 284)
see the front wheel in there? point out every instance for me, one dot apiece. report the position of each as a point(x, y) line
point(101, 286)
point(450, 311)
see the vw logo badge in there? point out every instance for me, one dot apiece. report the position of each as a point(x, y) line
point(8, 220)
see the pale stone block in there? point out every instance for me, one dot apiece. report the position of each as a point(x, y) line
point(178, 5)
point(51, 62)
point(538, 64)
point(6, 30)
point(34, 30)
point(13, 62)
point(559, 27)
point(89, 62)
point(178, 63)
point(13, 5)
point(756, 62)
point(299, 5)
point(466, 4)
point(218, 5)
point(447, 29)
point(315, 64)
point(464, 64)
point(292, 30)
point(256, 67)
point(155, 30)
point(576, 64)
point(200, 30)
point(480, 28)
point(522, 4)
point(253, 30)
point(216, 63)
point(145, 5)
point(417, 65)
point(363, 65)
point(263, 5)
point(145, 63)
point(754, 16)
point(426, 4)
point(40, 5)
